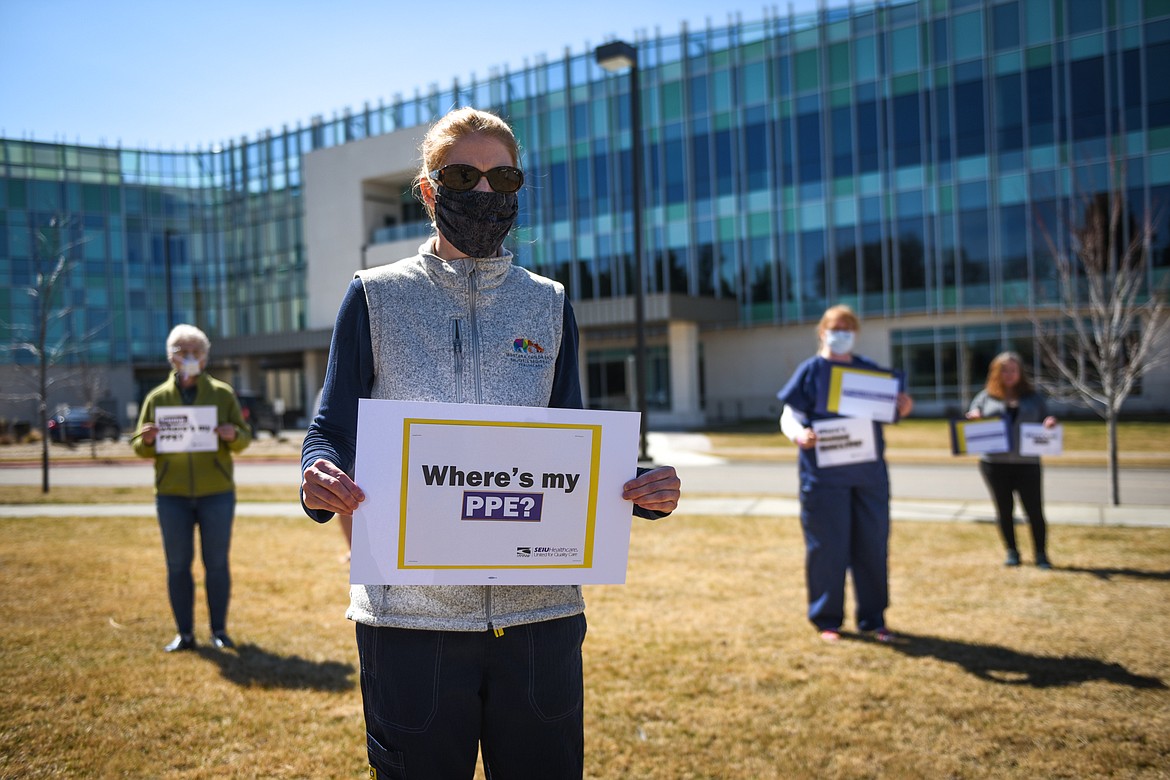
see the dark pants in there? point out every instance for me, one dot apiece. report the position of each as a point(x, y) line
point(846, 528)
point(432, 699)
point(177, 518)
point(1025, 479)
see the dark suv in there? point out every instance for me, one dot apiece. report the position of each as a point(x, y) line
point(259, 414)
point(81, 424)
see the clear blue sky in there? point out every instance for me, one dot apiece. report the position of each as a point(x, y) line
point(173, 74)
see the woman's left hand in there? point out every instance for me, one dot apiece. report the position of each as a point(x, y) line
point(657, 489)
point(905, 405)
point(1049, 422)
point(226, 431)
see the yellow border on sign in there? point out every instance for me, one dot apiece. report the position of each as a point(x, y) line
point(591, 510)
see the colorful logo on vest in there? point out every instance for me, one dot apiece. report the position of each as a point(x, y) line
point(525, 345)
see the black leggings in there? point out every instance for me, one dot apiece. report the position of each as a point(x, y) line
point(1004, 479)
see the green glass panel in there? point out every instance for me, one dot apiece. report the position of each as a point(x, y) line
point(759, 201)
point(839, 31)
point(906, 85)
point(942, 76)
point(844, 212)
point(843, 186)
point(865, 59)
point(676, 212)
point(946, 199)
point(806, 38)
point(1008, 63)
point(91, 196)
point(968, 32)
point(1087, 46)
point(755, 83)
point(904, 47)
point(721, 89)
point(807, 72)
point(1156, 8)
point(1160, 138)
point(727, 229)
point(840, 97)
point(1039, 56)
point(1013, 189)
point(812, 216)
point(759, 225)
point(1160, 168)
point(720, 59)
point(672, 101)
point(753, 51)
point(839, 69)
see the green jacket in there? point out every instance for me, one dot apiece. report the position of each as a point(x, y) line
point(194, 474)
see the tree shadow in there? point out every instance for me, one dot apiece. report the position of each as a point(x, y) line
point(1012, 667)
point(251, 665)
point(1109, 574)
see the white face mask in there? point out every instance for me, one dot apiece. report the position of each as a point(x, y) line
point(839, 342)
point(190, 368)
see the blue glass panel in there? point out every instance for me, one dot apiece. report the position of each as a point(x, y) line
point(1005, 22)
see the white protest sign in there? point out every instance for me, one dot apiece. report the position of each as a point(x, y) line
point(186, 429)
point(467, 494)
point(1035, 439)
point(862, 393)
point(844, 440)
point(979, 437)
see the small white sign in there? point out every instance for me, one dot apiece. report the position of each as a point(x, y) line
point(186, 429)
point(867, 394)
point(979, 437)
point(1035, 439)
point(844, 440)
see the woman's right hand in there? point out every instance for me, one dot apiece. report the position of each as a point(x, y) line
point(328, 488)
point(974, 414)
point(807, 439)
point(147, 433)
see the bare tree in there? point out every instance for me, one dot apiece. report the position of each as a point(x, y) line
point(1107, 338)
point(47, 344)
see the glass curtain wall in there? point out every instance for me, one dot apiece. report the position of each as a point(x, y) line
point(907, 158)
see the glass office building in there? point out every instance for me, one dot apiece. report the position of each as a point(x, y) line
point(913, 160)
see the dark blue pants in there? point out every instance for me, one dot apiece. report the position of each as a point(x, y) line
point(846, 528)
point(177, 518)
point(433, 699)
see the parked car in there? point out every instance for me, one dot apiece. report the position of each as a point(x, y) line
point(259, 414)
point(81, 424)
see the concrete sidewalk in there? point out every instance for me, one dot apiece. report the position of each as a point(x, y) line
point(901, 510)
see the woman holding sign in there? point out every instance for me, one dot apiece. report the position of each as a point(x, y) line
point(844, 485)
point(449, 671)
point(191, 424)
point(1009, 394)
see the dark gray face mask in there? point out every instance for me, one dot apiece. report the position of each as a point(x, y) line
point(475, 222)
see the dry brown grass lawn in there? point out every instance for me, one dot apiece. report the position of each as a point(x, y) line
point(701, 666)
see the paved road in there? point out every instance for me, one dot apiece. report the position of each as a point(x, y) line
point(947, 481)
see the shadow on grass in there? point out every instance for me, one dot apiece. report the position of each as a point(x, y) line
point(1011, 667)
point(1109, 574)
point(253, 665)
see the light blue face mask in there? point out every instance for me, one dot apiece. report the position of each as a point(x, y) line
point(190, 368)
point(839, 342)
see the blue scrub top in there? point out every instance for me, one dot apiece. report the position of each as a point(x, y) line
point(808, 383)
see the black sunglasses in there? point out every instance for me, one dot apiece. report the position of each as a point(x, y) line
point(461, 178)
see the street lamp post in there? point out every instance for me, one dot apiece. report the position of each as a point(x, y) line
point(613, 57)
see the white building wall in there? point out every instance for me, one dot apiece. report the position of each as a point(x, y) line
point(336, 212)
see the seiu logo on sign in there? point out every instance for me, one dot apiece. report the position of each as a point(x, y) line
point(515, 507)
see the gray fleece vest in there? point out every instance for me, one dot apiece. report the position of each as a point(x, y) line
point(466, 331)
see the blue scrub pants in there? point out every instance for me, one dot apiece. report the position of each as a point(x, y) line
point(433, 699)
point(177, 518)
point(846, 528)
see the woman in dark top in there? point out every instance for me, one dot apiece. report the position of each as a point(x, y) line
point(1009, 394)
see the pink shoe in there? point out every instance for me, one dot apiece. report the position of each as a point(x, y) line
point(830, 635)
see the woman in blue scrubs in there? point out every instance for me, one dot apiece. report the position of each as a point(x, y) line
point(844, 509)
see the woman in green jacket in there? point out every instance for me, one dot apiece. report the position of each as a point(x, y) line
point(194, 486)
